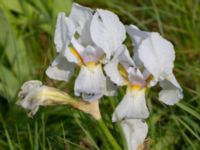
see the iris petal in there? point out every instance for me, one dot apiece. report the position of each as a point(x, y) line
point(171, 91)
point(135, 131)
point(60, 69)
point(132, 106)
point(90, 83)
point(107, 31)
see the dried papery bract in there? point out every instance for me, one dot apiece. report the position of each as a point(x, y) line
point(34, 94)
point(145, 145)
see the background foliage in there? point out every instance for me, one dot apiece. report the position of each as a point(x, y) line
point(26, 49)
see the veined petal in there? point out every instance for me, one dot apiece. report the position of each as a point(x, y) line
point(60, 69)
point(132, 106)
point(80, 15)
point(157, 55)
point(64, 32)
point(135, 131)
point(171, 91)
point(90, 83)
point(107, 32)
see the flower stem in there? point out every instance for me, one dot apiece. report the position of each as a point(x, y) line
point(108, 135)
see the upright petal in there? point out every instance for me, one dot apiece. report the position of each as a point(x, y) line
point(60, 69)
point(107, 31)
point(90, 83)
point(80, 15)
point(132, 106)
point(85, 36)
point(64, 32)
point(125, 58)
point(157, 55)
point(171, 91)
point(136, 35)
point(117, 75)
point(135, 131)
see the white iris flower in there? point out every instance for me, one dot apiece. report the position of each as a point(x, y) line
point(157, 55)
point(86, 38)
point(154, 57)
point(122, 71)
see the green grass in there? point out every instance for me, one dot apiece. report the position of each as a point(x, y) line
point(26, 49)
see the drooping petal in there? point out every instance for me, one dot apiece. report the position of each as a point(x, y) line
point(171, 91)
point(132, 106)
point(157, 55)
point(90, 83)
point(80, 15)
point(60, 69)
point(135, 131)
point(64, 32)
point(117, 75)
point(107, 32)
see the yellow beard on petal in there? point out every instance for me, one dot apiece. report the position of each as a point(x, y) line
point(123, 72)
point(136, 87)
point(91, 64)
point(77, 55)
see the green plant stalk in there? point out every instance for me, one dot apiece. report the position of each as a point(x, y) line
point(108, 135)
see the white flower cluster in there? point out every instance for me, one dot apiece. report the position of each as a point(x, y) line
point(94, 41)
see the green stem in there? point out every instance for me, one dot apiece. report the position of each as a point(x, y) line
point(108, 135)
